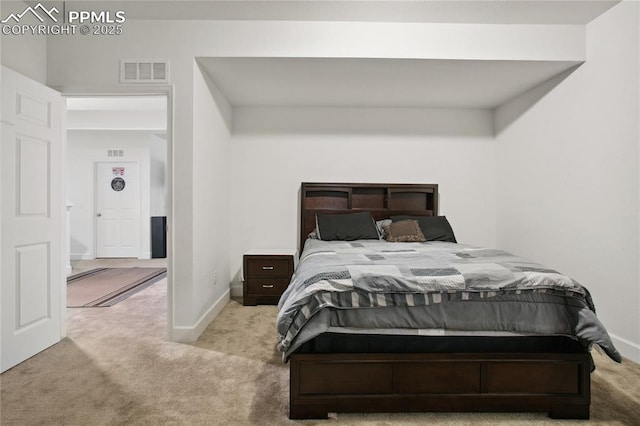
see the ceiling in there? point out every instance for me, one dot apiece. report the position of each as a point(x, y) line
point(132, 113)
point(434, 11)
point(355, 82)
point(117, 103)
point(337, 82)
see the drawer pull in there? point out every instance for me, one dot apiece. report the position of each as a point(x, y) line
point(267, 268)
point(267, 285)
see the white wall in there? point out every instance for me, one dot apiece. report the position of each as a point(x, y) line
point(638, 88)
point(26, 54)
point(211, 197)
point(274, 150)
point(158, 172)
point(84, 149)
point(568, 178)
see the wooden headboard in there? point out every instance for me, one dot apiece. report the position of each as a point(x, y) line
point(381, 199)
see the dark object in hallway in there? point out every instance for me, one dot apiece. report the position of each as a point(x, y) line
point(159, 237)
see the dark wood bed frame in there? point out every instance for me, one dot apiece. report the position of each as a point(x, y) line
point(556, 383)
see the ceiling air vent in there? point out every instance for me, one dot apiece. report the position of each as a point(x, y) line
point(144, 71)
point(115, 153)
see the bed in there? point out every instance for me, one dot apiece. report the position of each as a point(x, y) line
point(368, 327)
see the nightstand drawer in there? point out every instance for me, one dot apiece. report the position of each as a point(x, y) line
point(268, 268)
point(266, 286)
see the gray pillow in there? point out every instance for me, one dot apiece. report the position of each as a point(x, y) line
point(346, 227)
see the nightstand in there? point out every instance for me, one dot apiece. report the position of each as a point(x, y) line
point(267, 273)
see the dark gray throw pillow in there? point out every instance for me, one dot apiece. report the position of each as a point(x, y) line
point(434, 228)
point(346, 227)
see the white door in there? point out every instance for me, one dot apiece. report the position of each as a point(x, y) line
point(32, 276)
point(117, 209)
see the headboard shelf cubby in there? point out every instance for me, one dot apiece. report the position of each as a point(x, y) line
point(381, 199)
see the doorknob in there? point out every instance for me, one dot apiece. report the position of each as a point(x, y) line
point(99, 214)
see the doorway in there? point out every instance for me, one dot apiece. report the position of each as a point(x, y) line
point(117, 157)
point(118, 165)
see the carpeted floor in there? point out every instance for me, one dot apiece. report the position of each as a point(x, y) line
point(115, 368)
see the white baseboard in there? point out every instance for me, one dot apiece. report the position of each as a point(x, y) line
point(236, 289)
point(145, 255)
point(627, 348)
point(81, 256)
point(188, 334)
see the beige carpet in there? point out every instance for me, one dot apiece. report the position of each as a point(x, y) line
point(116, 368)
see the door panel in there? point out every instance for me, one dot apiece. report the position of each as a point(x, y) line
point(31, 216)
point(32, 162)
point(34, 110)
point(32, 285)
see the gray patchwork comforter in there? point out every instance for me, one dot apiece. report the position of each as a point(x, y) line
point(371, 284)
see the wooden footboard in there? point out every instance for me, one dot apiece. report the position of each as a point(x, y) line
point(555, 383)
